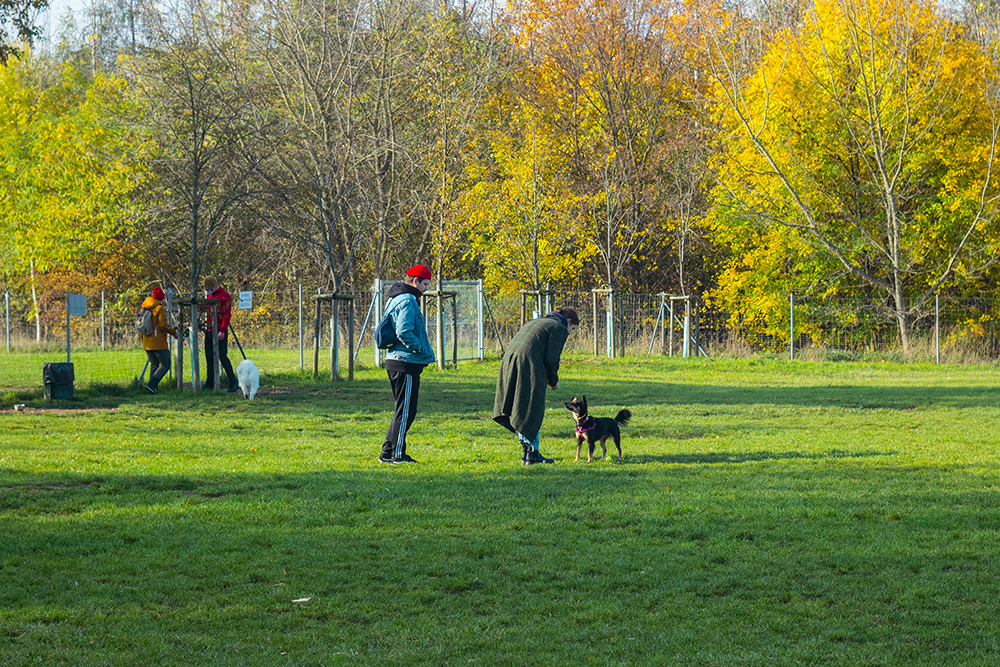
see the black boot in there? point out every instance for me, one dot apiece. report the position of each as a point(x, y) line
point(532, 456)
point(524, 454)
point(542, 458)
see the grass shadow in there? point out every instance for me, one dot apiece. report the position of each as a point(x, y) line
point(714, 458)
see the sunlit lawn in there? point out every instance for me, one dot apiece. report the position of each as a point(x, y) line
point(766, 512)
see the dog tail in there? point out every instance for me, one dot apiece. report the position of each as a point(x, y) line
point(623, 416)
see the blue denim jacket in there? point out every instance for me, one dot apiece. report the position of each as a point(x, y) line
point(414, 346)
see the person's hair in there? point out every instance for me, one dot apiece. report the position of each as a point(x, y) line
point(412, 280)
point(211, 283)
point(569, 314)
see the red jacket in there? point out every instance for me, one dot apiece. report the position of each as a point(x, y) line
point(224, 309)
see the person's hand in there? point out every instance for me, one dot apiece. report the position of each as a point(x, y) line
point(554, 386)
point(222, 335)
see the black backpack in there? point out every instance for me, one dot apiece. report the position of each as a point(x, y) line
point(385, 333)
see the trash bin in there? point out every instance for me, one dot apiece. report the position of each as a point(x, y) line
point(58, 379)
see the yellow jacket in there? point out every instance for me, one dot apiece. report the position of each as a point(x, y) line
point(158, 341)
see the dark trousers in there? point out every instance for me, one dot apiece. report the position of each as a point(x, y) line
point(159, 365)
point(405, 389)
point(227, 365)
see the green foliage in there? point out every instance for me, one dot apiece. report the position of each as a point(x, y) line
point(66, 166)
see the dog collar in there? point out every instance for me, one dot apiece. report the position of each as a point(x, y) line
point(586, 424)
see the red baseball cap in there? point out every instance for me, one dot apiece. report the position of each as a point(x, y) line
point(158, 294)
point(420, 271)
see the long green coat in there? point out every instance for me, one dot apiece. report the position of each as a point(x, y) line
point(530, 363)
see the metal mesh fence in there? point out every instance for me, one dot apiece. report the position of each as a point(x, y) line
point(476, 326)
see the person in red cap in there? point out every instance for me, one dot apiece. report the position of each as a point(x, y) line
point(406, 360)
point(157, 350)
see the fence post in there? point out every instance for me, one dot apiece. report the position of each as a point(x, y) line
point(937, 330)
point(376, 318)
point(102, 321)
point(657, 327)
point(454, 331)
point(170, 343)
point(6, 298)
point(302, 359)
point(193, 348)
point(697, 329)
point(67, 328)
point(663, 322)
point(316, 335)
point(618, 324)
point(610, 318)
point(334, 339)
point(791, 326)
point(481, 322)
point(686, 347)
point(178, 369)
point(440, 326)
point(593, 298)
point(671, 338)
point(350, 340)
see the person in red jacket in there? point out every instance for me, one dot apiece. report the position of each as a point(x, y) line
point(157, 350)
point(224, 312)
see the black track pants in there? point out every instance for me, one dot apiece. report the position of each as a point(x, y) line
point(405, 388)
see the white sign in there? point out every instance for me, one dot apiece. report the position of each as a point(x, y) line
point(76, 304)
point(246, 301)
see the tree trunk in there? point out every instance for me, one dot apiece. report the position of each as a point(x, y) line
point(902, 317)
point(34, 304)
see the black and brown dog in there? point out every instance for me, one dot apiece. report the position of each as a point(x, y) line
point(596, 429)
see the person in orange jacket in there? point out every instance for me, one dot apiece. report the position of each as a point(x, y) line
point(157, 350)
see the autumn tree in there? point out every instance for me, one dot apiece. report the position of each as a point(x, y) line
point(520, 210)
point(858, 148)
point(17, 26)
point(67, 169)
point(106, 29)
point(681, 229)
point(195, 98)
point(609, 75)
point(461, 61)
point(194, 89)
point(343, 78)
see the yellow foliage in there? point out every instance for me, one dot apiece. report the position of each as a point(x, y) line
point(861, 130)
point(67, 166)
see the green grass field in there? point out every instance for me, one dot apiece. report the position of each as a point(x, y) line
point(766, 512)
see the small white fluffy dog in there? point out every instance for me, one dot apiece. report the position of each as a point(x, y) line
point(249, 378)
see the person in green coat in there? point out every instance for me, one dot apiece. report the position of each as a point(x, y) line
point(530, 363)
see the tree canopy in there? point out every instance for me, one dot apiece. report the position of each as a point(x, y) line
point(857, 153)
point(17, 26)
point(742, 151)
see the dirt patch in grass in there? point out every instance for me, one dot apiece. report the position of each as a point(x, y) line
point(60, 410)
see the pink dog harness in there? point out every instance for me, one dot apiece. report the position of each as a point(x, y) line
point(588, 424)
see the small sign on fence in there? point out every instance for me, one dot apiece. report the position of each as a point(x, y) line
point(246, 301)
point(76, 304)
